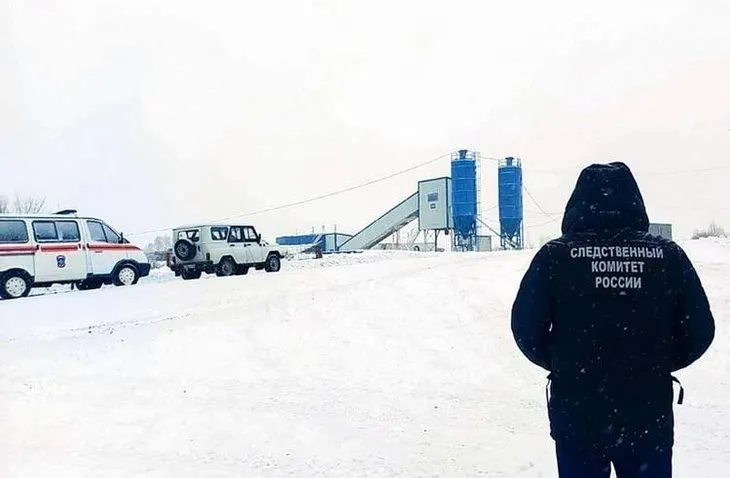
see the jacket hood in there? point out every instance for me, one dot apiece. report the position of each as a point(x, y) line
point(606, 198)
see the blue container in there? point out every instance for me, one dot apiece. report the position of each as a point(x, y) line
point(464, 193)
point(303, 240)
point(297, 240)
point(510, 201)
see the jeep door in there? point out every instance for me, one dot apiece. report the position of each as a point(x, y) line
point(60, 256)
point(218, 246)
point(255, 250)
point(238, 247)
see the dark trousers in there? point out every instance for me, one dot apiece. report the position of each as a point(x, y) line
point(579, 465)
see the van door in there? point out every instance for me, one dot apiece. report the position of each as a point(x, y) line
point(60, 256)
point(104, 250)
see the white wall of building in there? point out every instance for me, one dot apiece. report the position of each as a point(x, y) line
point(434, 204)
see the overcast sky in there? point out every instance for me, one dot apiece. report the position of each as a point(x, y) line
point(151, 114)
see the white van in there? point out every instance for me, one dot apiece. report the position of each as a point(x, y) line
point(61, 248)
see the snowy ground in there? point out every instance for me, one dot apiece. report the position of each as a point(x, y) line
point(379, 364)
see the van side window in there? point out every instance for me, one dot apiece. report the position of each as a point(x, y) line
point(96, 232)
point(100, 232)
point(45, 231)
point(56, 231)
point(111, 236)
point(68, 231)
point(219, 233)
point(13, 232)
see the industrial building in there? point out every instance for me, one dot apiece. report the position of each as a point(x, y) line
point(662, 230)
point(448, 205)
point(325, 242)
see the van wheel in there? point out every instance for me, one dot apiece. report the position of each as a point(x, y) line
point(89, 284)
point(226, 267)
point(15, 285)
point(184, 250)
point(273, 263)
point(126, 275)
point(190, 275)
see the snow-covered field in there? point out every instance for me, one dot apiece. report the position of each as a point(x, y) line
point(378, 364)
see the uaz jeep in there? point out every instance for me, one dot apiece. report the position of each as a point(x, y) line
point(221, 249)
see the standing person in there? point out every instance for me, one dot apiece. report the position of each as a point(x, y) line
point(611, 311)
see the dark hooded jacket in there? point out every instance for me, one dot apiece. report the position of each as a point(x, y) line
point(611, 311)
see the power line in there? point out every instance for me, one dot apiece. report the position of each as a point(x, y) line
point(315, 198)
point(338, 192)
point(529, 194)
point(532, 226)
point(685, 171)
point(553, 214)
point(577, 169)
point(413, 168)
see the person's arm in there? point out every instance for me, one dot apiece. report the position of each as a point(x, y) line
point(694, 327)
point(531, 317)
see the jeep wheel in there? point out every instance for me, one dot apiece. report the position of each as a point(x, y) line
point(190, 275)
point(273, 263)
point(184, 250)
point(126, 275)
point(226, 267)
point(15, 285)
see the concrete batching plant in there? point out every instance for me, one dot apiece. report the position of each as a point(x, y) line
point(450, 205)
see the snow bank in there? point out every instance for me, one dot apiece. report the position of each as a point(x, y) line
point(306, 262)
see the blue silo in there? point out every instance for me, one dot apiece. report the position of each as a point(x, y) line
point(510, 203)
point(465, 199)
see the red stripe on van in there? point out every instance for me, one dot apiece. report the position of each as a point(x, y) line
point(113, 247)
point(45, 248)
point(18, 248)
point(6, 251)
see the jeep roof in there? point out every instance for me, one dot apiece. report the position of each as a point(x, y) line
point(227, 224)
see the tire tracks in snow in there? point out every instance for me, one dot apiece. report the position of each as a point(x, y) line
point(193, 311)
